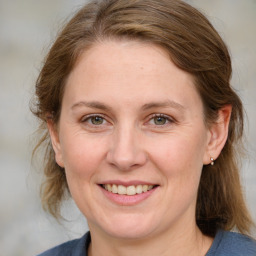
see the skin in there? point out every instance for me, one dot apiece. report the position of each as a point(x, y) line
point(127, 84)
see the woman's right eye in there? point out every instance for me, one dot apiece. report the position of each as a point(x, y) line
point(94, 120)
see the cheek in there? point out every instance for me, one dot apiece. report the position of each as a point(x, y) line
point(82, 159)
point(82, 155)
point(180, 159)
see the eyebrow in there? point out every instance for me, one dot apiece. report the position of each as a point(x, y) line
point(164, 104)
point(91, 104)
point(147, 106)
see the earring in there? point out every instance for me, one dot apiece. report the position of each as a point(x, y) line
point(212, 161)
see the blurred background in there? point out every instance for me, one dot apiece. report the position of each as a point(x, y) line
point(27, 30)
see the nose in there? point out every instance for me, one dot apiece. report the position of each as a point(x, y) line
point(126, 150)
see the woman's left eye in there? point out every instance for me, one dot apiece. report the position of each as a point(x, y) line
point(160, 120)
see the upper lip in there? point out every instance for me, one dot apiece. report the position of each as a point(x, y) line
point(127, 183)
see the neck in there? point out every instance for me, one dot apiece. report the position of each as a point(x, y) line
point(189, 241)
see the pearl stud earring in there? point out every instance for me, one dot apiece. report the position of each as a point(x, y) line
point(212, 161)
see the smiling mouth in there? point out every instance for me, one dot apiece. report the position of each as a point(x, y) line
point(127, 190)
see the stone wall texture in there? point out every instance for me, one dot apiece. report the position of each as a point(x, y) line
point(27, 29)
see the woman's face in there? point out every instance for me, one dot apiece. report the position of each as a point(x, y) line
point(132, 123)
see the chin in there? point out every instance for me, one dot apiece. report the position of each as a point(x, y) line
point(130, 228)
point(130, 233)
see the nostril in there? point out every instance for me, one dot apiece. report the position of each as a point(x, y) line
point(126, 161)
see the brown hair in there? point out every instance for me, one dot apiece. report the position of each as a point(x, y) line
point(195, 47)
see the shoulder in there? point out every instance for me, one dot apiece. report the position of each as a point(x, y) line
point(75, 247)
point(231, 243)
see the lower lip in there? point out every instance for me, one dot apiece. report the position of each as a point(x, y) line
point(126, 200)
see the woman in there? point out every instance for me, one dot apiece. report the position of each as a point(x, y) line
point(144, 127)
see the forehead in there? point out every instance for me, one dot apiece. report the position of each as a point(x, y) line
point(129, 69)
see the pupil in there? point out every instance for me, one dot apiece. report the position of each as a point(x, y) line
point(160, 120)
point(97, 120)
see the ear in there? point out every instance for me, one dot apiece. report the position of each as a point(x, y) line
point(218, 134)
point(55, 142)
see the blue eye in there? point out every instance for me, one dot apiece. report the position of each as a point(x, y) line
point(160, 120)
point(96, 120)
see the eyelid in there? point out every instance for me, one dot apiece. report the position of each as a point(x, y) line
point(87, 117)
point(168, 118)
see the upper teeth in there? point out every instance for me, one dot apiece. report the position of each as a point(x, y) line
point(130, 190)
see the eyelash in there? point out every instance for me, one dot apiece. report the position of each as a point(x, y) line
point(169, 120)
point(88, 119)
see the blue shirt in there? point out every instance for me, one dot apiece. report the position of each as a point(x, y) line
point(225, 244)
point(228, 243)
